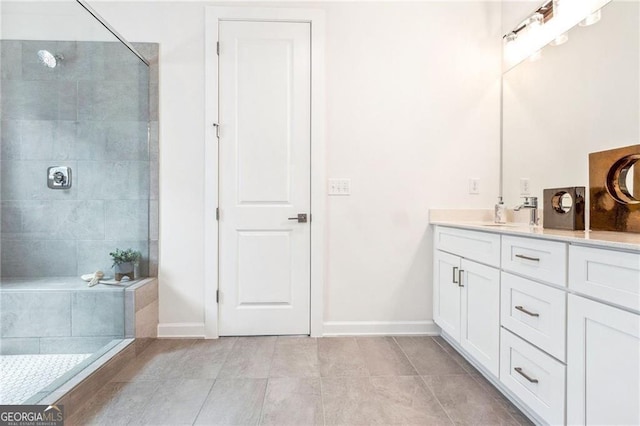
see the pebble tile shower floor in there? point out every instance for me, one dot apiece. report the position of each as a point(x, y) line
point(22, 376)
point(298, 381)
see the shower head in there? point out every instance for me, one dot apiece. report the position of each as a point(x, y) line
point(48, 59)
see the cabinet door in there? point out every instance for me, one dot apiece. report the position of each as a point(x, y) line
point(480, 300)
point(603, 364)
point(446, 293)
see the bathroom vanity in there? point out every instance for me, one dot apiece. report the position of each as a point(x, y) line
point(552, 318)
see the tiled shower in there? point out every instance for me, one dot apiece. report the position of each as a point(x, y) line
point(94, 113)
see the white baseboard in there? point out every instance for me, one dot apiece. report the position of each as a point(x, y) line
point(379, 328)
point(181, 329)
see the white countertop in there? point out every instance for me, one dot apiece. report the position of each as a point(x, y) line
point(616, 240)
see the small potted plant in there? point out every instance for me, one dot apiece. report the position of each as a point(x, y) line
point(124, 262)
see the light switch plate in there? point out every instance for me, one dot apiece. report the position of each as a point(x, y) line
point(339, 186)
point(474, 185)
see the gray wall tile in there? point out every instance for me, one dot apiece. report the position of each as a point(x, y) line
point(11, 217)
point(154, 141)
point(127, 220)
point(74, 345)
point(39, 100)
point(94, 255)
point(35, 314)
point(149, 51)
point(111, 100)
point(27, 180)
point(153, 258)
point(38, 258)
point(154, 180)
point(19, 345)
point(112, 140)
point(113, 180)
point(109, 138)
point(129, 314)
point(62, 220)
point(11, 138)
point(121, 64)
point(154, 220)
point(47, 140)
point(11, 59)
point(154, 100)
point(97, 313)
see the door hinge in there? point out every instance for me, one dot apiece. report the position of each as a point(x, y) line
point(217, 296)
point(217, 213)
point(217, 126)
point(218, 48)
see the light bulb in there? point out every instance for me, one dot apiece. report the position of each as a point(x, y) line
point(591, 19)
point(512, 36)
point(535, 21)
point(561, 39)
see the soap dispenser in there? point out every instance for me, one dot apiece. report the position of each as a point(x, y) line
point(500, 212)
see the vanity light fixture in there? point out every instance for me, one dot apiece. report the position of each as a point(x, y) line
point(539, 17)
point(594, 18)
point(535, 21)
point(512, 36)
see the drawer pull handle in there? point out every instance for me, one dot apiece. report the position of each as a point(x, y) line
point(522, 256)
point(525, 375)
point(521, 309)
point(460, 272)
point(455, 273)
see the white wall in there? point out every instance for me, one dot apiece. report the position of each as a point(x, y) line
point(49, 20)
point(412, 113)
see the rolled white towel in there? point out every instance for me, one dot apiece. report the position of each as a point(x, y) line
point(97, 276)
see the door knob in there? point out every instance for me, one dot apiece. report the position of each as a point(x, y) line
point(301, 218)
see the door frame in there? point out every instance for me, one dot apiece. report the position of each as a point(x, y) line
point(316, 19)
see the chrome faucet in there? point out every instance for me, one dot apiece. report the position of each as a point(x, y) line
point(530, 203)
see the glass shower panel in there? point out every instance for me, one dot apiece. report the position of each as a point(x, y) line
point(74, 186)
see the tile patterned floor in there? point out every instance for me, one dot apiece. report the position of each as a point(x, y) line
point(299, 381)
point(22, 376)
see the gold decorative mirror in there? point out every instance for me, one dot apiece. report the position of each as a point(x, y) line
point(614, 180)
point(623, 180)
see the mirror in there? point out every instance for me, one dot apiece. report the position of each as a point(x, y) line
point(623, 180)
point(562, 202)
point(630, 180)
point(579, 97)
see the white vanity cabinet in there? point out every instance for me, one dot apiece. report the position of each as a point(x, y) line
point(467, 293)
point(603, 365)
point(556, 322)
point(603, 341)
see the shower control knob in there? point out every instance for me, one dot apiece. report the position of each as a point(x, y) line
point(58, 177)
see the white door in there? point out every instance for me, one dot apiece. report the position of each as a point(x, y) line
point(264, 152)
point(603, 364)
point(446, 297)
point(480, 307)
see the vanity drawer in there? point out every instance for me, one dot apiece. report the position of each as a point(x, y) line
point(610, 275)
point(535, 312)
point(481, 247)
point(535, 377)
point(538, 259)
